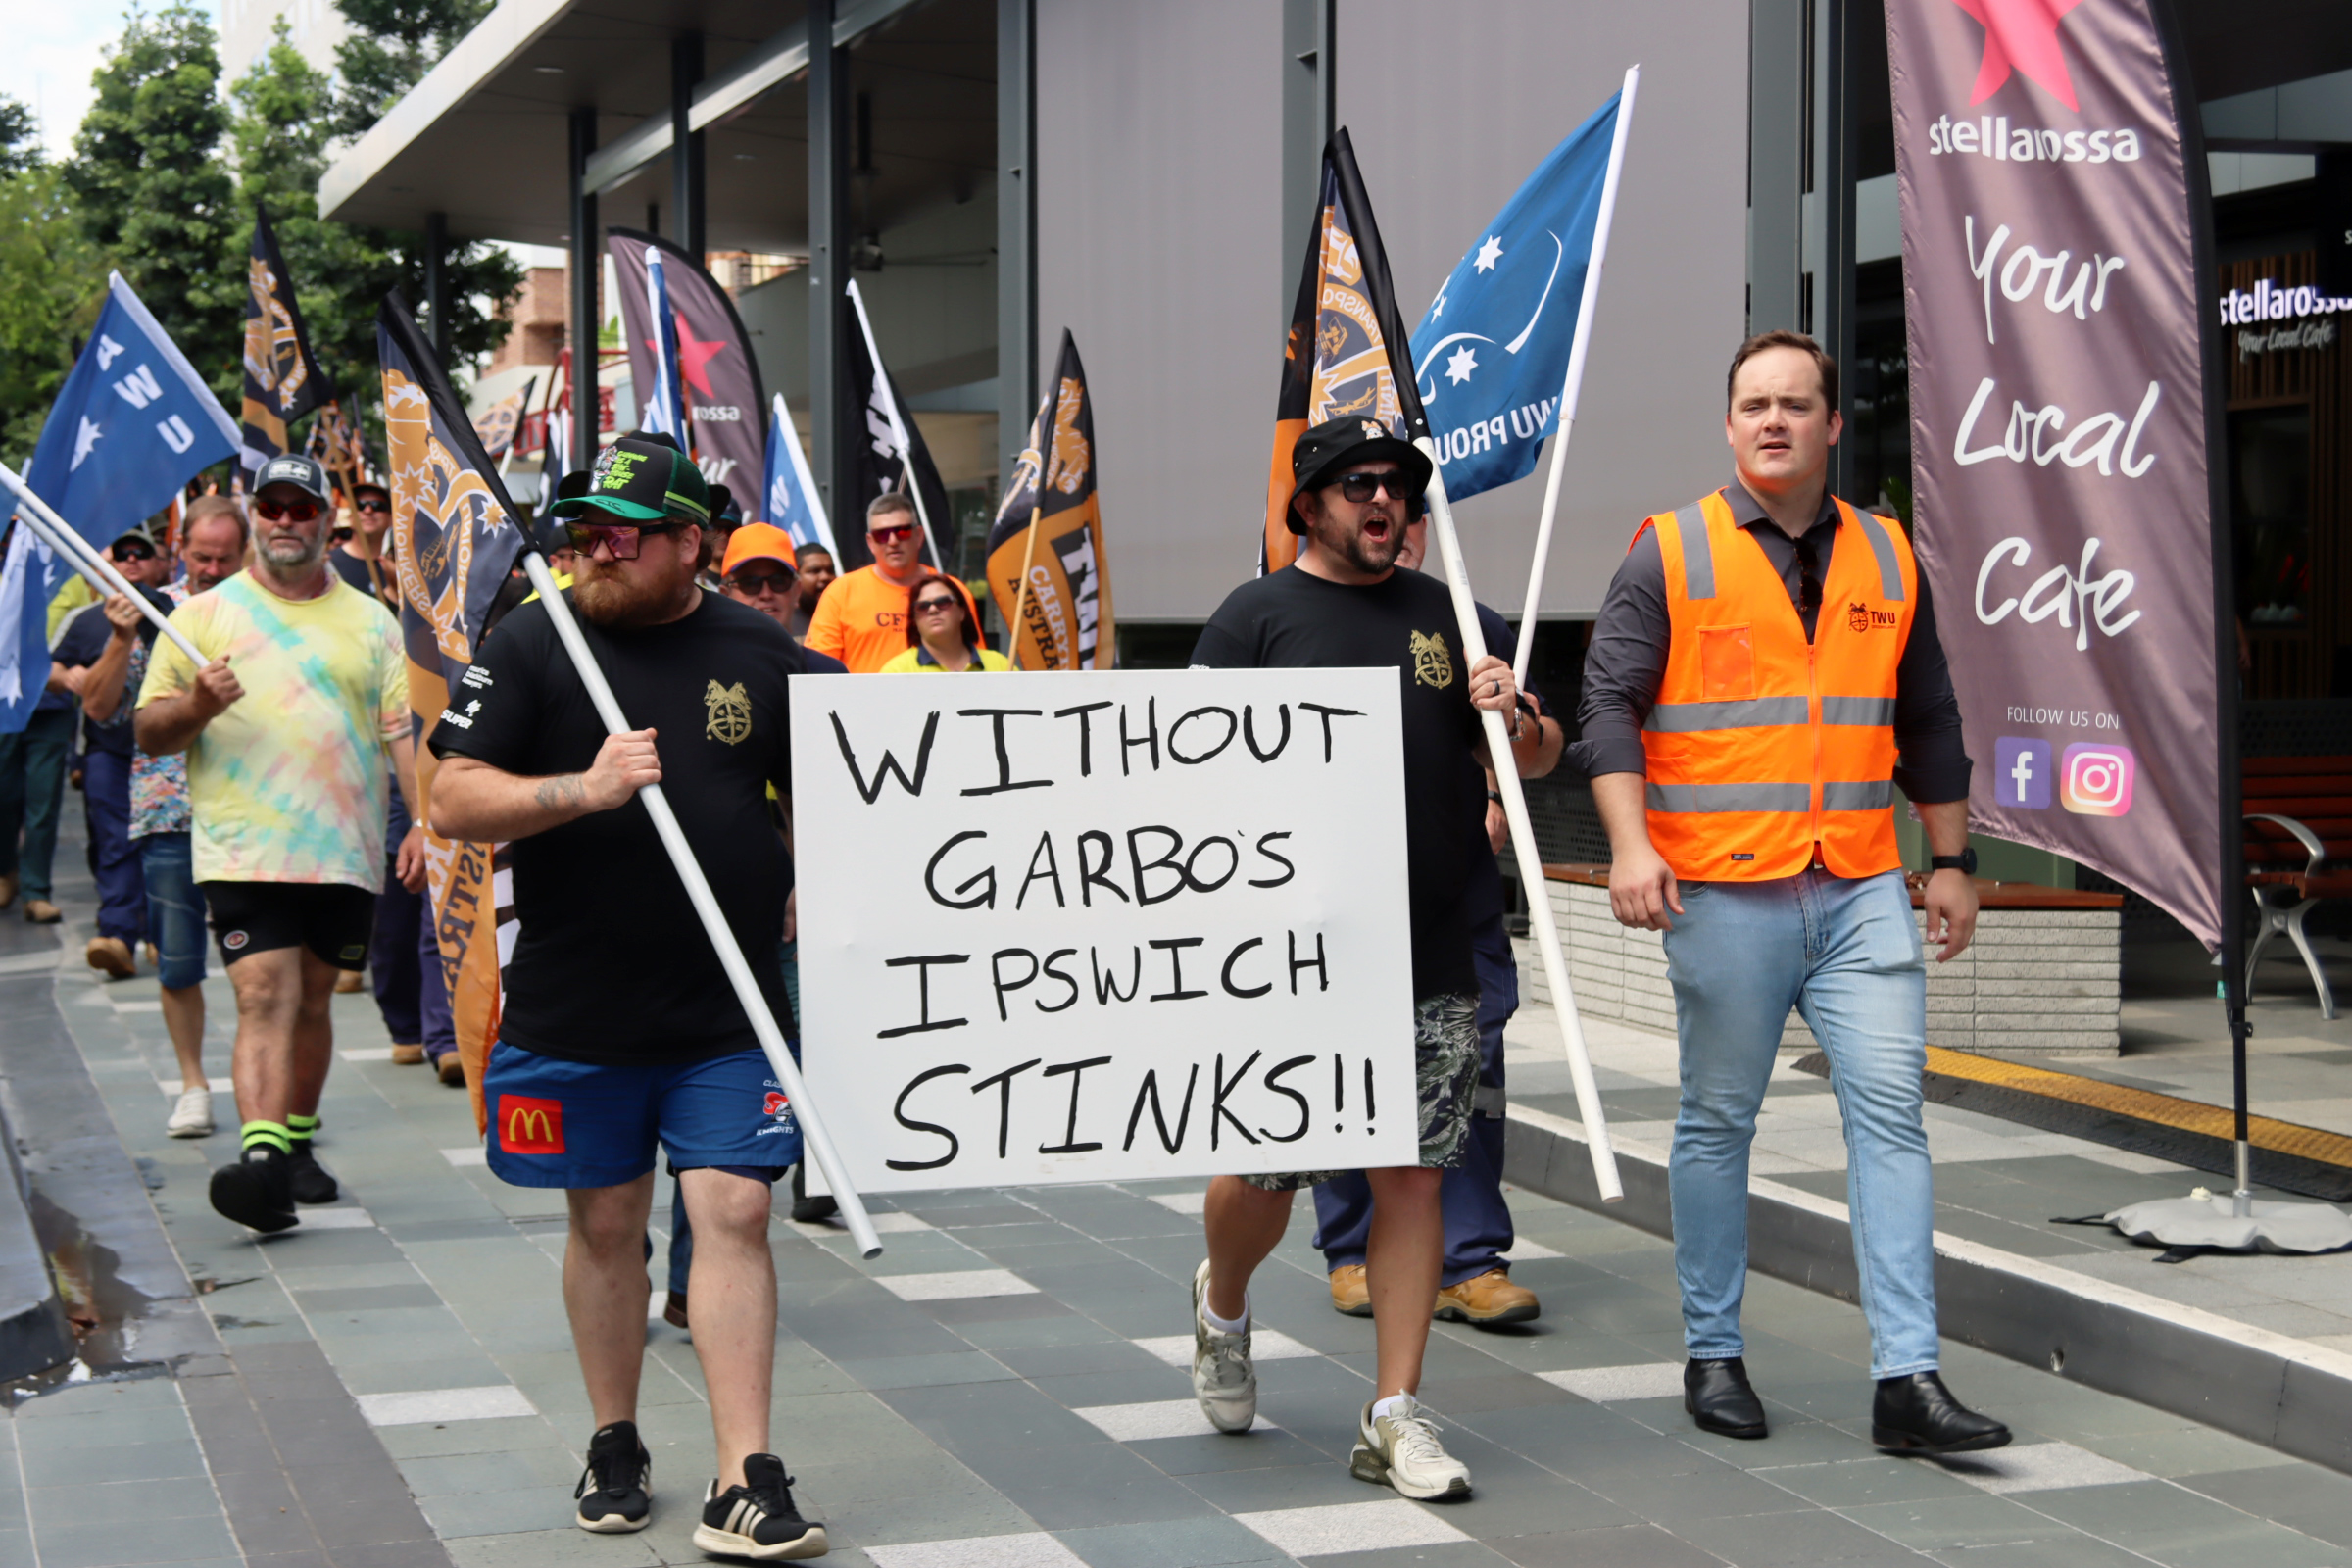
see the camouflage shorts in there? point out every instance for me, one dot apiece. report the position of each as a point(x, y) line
point(1446, 1077)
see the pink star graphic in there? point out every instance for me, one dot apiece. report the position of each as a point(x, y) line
point(694, 358)
point(2022, 35)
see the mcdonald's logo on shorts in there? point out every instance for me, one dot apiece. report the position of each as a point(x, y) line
point(527, 1126)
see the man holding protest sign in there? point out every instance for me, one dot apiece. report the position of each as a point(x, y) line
point(291, 876)
point(1342, 603)
point(1764, 675)
point(589, 1081)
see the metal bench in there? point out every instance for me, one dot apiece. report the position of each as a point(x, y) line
point(2299, 831)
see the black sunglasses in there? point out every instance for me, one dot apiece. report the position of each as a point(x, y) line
point(1808, 585)
point(136, 550)
point(1361, 487)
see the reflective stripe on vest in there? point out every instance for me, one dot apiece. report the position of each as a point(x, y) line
point(1764, 749)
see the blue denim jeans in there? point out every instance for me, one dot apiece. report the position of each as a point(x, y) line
point(174, 908)
point(1845, 954)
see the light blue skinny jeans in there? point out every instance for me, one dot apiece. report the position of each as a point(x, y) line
point(1845, 954)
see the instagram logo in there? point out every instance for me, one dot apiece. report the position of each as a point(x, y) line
point(2096, 780)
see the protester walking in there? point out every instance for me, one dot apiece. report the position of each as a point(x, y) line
point(861, 619)
point(818, 571)
point(1344, 604)
point(288, 794)
point(939, 634)
point(363, 560)
point(607, 1057)
point(1476, 1285)
point(92, 654)
point(1745, 746)
point(33, 789)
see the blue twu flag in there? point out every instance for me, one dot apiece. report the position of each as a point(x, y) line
point(664, 412)
point(1493, 350)
point(132, 424)
point(790, 502)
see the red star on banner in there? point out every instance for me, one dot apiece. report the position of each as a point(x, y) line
point(694, 355)
point(2022, 35)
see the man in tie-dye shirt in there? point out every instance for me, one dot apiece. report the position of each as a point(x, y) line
point(286, 727)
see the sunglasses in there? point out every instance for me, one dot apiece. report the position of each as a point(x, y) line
point(1808, 584)
point(371, 506)
point(893, 534)
point(621, 538)
point(287, 510)
point(760, 582)
point(924, 607)
point(132, 552)
point(1360, 487)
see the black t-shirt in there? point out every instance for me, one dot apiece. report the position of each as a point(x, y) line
point(361, 574)
point(1292, 619)
point(610, 964)
point(81, 642)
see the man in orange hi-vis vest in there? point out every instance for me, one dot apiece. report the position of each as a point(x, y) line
point(1764, 674)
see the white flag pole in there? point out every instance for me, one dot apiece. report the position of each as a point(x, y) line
point(714, 922)
point(1545, 931)
point(86, 559)
point(1575, 369)
point(898, 428)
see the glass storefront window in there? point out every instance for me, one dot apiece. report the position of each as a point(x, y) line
point(2270, 507)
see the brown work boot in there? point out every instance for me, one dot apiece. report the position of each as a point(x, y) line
point(451, 1069)
point(408, 1055)
point(1350, 1295)
point(8, 890)
point(40, 911)
point(348, 981)
point(1488, 1301)
point(111, 956)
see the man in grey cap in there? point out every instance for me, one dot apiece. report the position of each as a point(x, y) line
point(289, 797)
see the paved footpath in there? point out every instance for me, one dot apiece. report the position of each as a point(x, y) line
point(393, 1387)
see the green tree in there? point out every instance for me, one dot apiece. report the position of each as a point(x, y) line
point(51, 282)
point(149, 186)
point(19, 143)
point(393, 43)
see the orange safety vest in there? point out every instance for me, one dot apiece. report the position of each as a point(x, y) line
point(1766, 751)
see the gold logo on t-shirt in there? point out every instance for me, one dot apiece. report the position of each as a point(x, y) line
point(730, 713)
point(1433, 665)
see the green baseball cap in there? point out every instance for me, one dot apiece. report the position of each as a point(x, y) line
point(644, 479)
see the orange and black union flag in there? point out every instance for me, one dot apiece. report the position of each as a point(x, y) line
point(282, 383)
point(1046, 565)
point(1347, 352)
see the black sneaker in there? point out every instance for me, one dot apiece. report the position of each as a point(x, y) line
point(306, 1178)
point(613, 1489)
point(256, 1191)
point(757, 1520)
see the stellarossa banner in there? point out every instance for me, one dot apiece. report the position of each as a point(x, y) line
point(719, 379)
point(2059, 323)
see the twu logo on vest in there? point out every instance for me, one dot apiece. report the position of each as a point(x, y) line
point(1860, 616)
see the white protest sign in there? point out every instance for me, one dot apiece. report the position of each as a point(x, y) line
point(1059, 927)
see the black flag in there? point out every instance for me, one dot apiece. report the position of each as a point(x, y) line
point(282, 383)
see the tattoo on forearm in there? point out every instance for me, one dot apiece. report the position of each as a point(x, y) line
point(554, 794)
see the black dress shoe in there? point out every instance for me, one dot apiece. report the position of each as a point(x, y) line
point(1717, 1397)
point(1916, 1414)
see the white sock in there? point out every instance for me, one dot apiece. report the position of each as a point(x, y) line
point(1240, 1326)
point(1394, 1404)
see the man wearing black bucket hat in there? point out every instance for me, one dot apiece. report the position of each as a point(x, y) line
point(591, 1080)
point(1344, 604)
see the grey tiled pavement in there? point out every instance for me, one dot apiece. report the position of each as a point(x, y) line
point(1003, 1388)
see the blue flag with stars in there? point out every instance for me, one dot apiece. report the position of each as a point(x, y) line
point(133, 422)
point(1494, 348)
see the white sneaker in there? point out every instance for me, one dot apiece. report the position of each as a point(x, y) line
point(1223, 1379)
point(1402, 1451)
point(192, 1115)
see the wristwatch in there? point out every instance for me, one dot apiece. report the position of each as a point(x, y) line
point(1963, 862)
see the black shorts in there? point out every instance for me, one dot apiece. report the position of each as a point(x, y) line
point(331, 918)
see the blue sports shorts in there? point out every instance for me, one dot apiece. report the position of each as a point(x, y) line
point(576, 1124)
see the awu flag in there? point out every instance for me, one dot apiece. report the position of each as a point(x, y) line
point(888, 451)
point(1346, 352)
point(1046, 563)
point(790, 500)
point(282, 383)
point(1494, 347)
point(132, 425)
point(454, 541)
point(717, 378)
point(2058, 286)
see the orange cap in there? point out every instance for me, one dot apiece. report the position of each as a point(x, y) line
point(756, 541)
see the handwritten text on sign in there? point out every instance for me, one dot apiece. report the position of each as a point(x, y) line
point(1102, 925)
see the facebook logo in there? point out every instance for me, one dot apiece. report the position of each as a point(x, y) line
point(2021, 774)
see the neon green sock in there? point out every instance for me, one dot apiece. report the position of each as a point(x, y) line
point(273, 1133)
point(300, 1128)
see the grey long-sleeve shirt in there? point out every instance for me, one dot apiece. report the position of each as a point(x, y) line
point(1628, 659)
